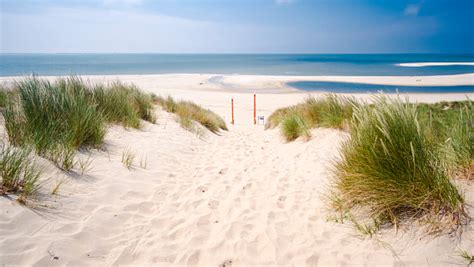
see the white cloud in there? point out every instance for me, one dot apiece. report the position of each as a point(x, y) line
point(122, 2)
point(412, 9)
point(284, 2)
point(89, 30)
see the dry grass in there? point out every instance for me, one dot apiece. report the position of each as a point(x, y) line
point(127, 158)
point(189, 112)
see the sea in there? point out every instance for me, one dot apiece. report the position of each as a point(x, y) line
point(258, 64)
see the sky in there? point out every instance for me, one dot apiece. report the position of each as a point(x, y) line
point(237, 26)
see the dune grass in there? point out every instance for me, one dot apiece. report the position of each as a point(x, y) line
point(294, 126)
point(451, 124)
point(53, 118)
point(119, 103)
point(19, 174)
point(394, 167)
point(330, 111)
point(469, 258)
point(58, 118)
point(188, 112)
point(400, 158)
point(128, 157)
point(3, 97)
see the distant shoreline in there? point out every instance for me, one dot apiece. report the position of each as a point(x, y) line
point(242, 64)
point(239, 80)
point(435, 64)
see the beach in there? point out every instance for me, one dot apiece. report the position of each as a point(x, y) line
point(215, 91)
point(242, 197)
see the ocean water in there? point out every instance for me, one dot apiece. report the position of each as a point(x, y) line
point(269, 64)
point(341, 87)
point(272, 64)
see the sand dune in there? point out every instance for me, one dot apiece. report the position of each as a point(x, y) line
point(243, 198)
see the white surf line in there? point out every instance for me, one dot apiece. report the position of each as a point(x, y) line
point(428, 64)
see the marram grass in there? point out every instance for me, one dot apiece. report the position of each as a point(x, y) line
point(188, 112)
point(58, 118)
point(392, 166)
point(329, 111)
point(451, 124)
point(294, 126)
point(3, 97)
point(18, 172)
point(119, 103)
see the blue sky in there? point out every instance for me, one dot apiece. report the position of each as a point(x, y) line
point(233, 26)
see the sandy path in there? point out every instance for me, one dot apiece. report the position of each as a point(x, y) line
point(243, 197)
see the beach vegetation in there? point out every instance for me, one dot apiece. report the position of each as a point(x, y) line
point(3, 97)
point(451, 125)
point(400, 159)
point(393, 167)
point(365, 229)
point(188, 112)
point(277, 117)
point(127, 158)
point(120, 103)
point(57, 186)
point(18, 171)
point(330, 111)
point(469, 258)
point(57, 118)
point(294, 126)
point(143, 162)
point(53, 118)
point(84, 165)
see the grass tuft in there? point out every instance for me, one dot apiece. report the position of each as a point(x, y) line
point(119, 103)
point(57, 186)
point(143, 162)
point(294, 126)
point(3, 97)
point(188, 112)
point(19, 174)
point(127, 158)
point(330, 111)
point(392, 166)
point(466, 256)
point(58, 118)
point(84, 165)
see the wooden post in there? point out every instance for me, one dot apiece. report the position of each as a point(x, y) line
point(232, 105)
point(254, 109)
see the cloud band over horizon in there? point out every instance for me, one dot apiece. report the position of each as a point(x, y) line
point(210, 26)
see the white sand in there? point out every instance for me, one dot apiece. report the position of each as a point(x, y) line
point(244, 196)
point(434, 64)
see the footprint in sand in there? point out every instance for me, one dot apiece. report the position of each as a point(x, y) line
point(247, 186)
point(213, 204)
point(226, 263)
point(223, 171)
point(202, 189)
point(281, 202)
